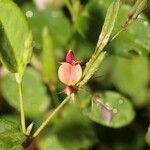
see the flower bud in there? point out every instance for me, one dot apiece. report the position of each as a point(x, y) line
point(69, 90)
point(70, 57)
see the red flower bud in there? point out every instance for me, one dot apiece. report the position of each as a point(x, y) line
point(70, 57)
point(69, 90)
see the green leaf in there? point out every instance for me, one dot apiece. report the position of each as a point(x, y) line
point(74, 130)
point(48, 58)
point(98, 55)
point(10, 135)
point(50, 142)
point(91, 67)
point(135, 38)
point(89, 21)
point(108, 26)
point(15, 37)
point(131, 76)
point(52, 17)
point(113, 106)
point(36, 101)
point(15, 118)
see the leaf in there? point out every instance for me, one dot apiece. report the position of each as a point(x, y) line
point(98, 55)
point(36, 101)
point(10, 135)
point(108, 26)
point(52, 17)
point(91, 68)
point(15, 37)
point(91, 20)
point(52, 142)
point(131, 76)
point(74, 130)
point(135, 38)
point(48, 58)
point(120, 108)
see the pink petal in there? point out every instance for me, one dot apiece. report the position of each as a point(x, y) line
point(69, 74)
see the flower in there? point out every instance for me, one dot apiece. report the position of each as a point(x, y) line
point(70, 71)
point(41, 4)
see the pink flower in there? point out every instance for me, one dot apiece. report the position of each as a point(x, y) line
point(70, 72)
point(41, 4)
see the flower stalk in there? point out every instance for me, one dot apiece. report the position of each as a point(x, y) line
point(45, 123)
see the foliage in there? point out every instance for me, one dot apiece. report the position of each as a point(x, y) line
point(109, 107)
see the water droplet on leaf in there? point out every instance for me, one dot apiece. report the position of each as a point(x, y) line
point(115, 111)
point(29, 14)
point(120, 101)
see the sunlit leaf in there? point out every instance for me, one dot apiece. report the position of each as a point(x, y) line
point(15, 37)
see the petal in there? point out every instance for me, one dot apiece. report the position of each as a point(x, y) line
point(76, 74)
point(64, 72)
point(69, 74)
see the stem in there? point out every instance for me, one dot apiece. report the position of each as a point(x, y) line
point(22, 108)
point(51, 116)
point(117, 34)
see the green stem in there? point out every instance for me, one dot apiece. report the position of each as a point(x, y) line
point(22, 108)
point(51, 116)
point(117, 34)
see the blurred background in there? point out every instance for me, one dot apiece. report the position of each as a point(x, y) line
point(125, 73)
